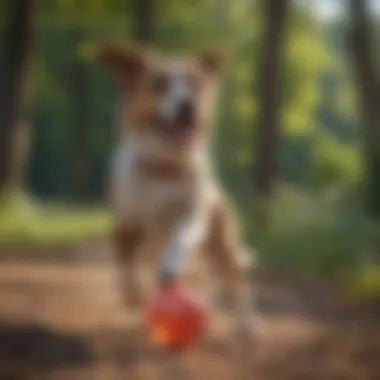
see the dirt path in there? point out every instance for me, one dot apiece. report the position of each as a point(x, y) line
point(64, 321)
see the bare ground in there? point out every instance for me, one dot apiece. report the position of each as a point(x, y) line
point(62, 319)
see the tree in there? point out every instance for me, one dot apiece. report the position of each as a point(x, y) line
point(368, 85)
point(82, 167)
point(268, 129)
point(80, 21)
point(143, 21)
point(15, 98)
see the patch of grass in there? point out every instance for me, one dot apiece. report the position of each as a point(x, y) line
point(318, 236)
point(24, 221)
point(364, 283)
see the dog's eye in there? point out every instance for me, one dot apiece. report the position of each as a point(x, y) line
point(160, 84)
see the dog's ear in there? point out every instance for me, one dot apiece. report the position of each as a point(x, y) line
point(125, 64)
point(212, 61)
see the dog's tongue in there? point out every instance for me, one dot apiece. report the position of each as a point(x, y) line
point(179, 132)
point(182, 135)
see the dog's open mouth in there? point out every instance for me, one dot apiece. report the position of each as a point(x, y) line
point(180, 133)
point(181, 129)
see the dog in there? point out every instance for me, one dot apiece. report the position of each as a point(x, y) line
point(163, 187)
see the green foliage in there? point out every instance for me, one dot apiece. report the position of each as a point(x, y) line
point(306, 60)
point(364, 283)
point(23, 221)
point(319, 237)
point(334, 163)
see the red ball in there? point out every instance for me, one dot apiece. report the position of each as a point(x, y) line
point(176, 319)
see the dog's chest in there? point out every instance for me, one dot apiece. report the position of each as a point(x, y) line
point(138, 198)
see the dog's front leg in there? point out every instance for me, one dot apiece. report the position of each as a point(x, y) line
point(185, 236)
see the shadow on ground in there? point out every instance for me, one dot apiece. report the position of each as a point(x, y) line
point(37, 347)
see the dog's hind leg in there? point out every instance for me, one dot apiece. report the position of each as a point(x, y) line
point(127, 242)
point(232, 269)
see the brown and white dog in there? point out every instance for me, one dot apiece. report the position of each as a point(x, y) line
point(163, 189)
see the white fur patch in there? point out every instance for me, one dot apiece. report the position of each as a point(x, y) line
point(122, 174)
point(135, 198)
point(178, 92)
point(187, 235)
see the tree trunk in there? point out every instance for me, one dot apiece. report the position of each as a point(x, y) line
point(143, 21)
point(368, 84)
point(80, 124)
point(15, 101)
point(268, 128)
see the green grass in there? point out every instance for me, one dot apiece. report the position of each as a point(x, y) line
point(323, 236)
point(364, 283)
point(23, 221)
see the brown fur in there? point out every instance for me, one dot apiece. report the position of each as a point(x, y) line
point(136, 74)
point(173, 186)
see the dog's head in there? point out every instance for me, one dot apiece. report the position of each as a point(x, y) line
point(166, 100)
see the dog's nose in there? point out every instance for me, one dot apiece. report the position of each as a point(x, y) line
point(185, 111)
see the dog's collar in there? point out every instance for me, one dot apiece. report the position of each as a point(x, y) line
point(161, 168)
